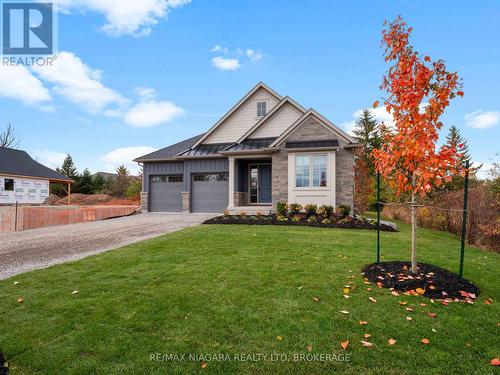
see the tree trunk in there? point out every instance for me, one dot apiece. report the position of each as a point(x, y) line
point(413, 229)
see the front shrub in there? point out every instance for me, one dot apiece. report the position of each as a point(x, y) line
point(344, 210)
point(281, 208)
point(325, 210)
point(326, 221)
point(310, 209)
point(312, 219)
point(281, 218)
point(296, 219)
point(294, 208)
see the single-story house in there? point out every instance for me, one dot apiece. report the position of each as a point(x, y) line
point(266, 149)
point(23, 180)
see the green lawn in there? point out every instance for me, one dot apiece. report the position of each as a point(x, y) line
point(235, 289)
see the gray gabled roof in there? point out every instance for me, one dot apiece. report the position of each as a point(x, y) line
point(171, 151)
point(251, 144)
point(19, 163)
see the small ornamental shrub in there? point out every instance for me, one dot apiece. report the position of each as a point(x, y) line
point(226, 212)
point(281, 218)
point(243, 214)
point(281, 208)
point(326, 221)
point(296, 219)
point(325, 210)
point(258, 214)
point(310, 209)
point(344, 210)
point(294, 208)
point(312, 219)
point(334, 219)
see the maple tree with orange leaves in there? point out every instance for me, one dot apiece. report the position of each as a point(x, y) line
point(419, 90)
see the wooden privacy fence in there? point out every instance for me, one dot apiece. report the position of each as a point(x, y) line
point(30, 217)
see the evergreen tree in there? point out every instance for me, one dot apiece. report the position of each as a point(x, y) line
point(121, 181)
point(366, 131)
point(68, 168)
point(84, 184)
point(99, 184)
point(454, 139)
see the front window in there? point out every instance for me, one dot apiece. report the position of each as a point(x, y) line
point(8, 184)
point(310, 171)
point(261, 109)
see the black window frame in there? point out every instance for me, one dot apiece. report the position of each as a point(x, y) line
point(11, 184)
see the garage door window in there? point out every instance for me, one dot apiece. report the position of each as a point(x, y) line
point(166, 179)
point(210, 177)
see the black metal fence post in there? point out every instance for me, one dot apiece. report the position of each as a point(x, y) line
point(464, 219)
point(378, 217)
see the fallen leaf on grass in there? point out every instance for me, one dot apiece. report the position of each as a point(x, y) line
point(368, 289)
point(344, 344)
point(434, 330)
point(367, 335)
point(309, 348)
point(372, 299)
point(299, 288)
point(16, 282)
point(394, 293)
point(409, 318)
point(345, 312)
point(488, 301)
point(391, 341)
point(425, 341)
point(20, 300)
point(204, 365)
point(315, 299)
point(346, 296)
point(402, 303)
point(74, 292)
point(363, 323)
point(423, 304)
point(420, 291)
point(495, 362)
point(366, 282)
point(366, 343)
point(409, 309)
point(345, 290)
point(431, 315)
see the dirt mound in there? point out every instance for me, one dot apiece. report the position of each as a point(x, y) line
point(52, 199)
point(97, 199)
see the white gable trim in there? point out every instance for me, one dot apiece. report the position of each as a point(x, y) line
point(238, 105)
point(269, 115)
point(321, 120)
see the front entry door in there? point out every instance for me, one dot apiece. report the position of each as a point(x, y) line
point(260, 181)
point(265, 184)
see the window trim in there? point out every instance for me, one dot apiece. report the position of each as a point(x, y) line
point(266, 102)
point(311, 171)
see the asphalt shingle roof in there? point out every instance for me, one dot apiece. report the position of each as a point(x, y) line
point(19, 163)
point(170, 151)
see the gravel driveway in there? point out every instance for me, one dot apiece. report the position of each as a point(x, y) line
point(39, 248)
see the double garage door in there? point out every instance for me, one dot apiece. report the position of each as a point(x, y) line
point(209, 192)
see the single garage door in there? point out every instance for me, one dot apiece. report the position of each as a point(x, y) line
point(209, 192)
point(165, 193)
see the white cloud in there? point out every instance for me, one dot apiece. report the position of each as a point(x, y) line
point(152, 113)
point(380, 114)
point(51, 159)
point(79, 84)
point(145, 93)
point(132, 17)
point(223, 63)
point(482, 119)
point(124, 156)
point(17, 82)
point(218, 48)
point(254, 55)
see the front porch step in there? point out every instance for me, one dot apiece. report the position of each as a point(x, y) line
point(250, 210)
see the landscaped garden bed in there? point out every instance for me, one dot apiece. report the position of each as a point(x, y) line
point(309, 215)
point(430, 281)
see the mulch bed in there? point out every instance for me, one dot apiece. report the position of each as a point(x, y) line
point(272, 220)
point(430, 281)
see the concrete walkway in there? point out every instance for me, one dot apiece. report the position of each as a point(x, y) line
point(39, 248)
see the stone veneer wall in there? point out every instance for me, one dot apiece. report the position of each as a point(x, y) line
point(312, 130)
point(240, 198)
point(144, 201)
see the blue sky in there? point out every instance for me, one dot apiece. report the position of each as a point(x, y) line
point(136, 76)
